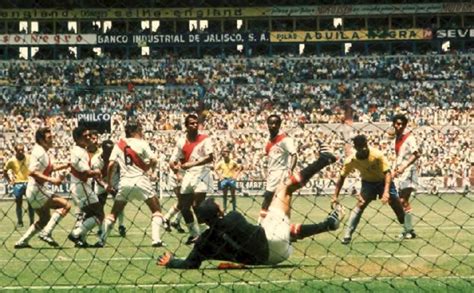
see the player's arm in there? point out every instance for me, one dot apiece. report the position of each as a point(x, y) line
point(111, 169)
point(337, 191)
point(203, 161)
point(5, 173)
point(293, 160)
point(193, 261)
point(411, 160)
point(386, 188)
point(39, 176)
point(59, 167)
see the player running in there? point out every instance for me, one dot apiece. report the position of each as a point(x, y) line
point(39, 196)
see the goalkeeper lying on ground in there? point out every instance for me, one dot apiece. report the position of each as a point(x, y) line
point(232, 238)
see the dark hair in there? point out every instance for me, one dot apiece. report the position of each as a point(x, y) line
point(41, 133)
point(208, 211)
point(107, 145)
point(401, 117)
point(78, 132)
point(277, 117)
point(94, 132)
point(132, 127)
point(360, 140)
point(18, 145)
point(189, 117)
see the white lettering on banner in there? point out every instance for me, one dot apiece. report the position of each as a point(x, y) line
point(455, 33)
point(112, 39)
point(92, 117)
point(45, 39)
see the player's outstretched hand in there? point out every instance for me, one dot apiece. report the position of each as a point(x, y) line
point(165, 259)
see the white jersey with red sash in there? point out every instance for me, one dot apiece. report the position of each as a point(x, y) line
point(98, 163)
point(405, 146)
point(132, 155)
point(36, 193)
point(279, 151)
point(196, 179)
point(81, 185)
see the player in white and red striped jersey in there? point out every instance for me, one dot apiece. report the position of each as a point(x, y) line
point(81, 187)
point(194, 153)
point(407, 152)
point(281, 153)
point(135, 158)
point(39, 196)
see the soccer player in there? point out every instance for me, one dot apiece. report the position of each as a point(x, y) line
point(18, 166)
point(194, 155)
point(232, 238)
point(40, 198)
point(135, 158)
point(407, 152)
point(376, 178)
point(81, 187)
point(228, 171)
point(101, 161)
point(282, 158)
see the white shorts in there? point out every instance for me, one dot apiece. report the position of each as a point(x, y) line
point(83, 195)
point(274, 178)
point(408, 179)
point(38, 195)
point(138, 191)
point(197, 182)
point(277, 229)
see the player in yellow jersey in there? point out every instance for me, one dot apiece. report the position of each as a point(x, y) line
point(374, 170)
point(16, 173)
point(228, 171)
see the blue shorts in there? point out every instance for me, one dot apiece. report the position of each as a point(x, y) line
point(370, 190)
point(227, 182)
point(19, 189)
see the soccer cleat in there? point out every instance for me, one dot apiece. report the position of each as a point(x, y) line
point(158, 244)
point(335, 217)
point(20, 245)
point(177, 227)
point(346, 240)
point(76, 240)
point(191, 240)
point(167, 225)
point(122, 231)
point(19, 225)
point(407, 235)
point(49, 240)
point(81, 244)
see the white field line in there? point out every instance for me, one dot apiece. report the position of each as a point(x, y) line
point(215, 284)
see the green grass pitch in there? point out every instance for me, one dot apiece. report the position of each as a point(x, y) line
point(440, 259)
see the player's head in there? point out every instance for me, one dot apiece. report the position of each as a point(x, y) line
point(81, 136)
point(399, 123)
point(209, 211)
point(133, 128)
point(44, 137)
point(94, 141)
point(362, 147)
point(225, 153)
point(273, 123)
point(20, 151)
point(191, 123)
point(107, 146)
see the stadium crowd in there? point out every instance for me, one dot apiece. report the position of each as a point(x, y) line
point(234, 97)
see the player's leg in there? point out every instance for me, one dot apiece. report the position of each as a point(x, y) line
point(18, 195)
point(94, 215)
point(185, 202)
point(61, 208)
point(331, 223)
point(396, 204)
point(35, 228)
point(367, 194)
point(109, 220)
point(233, 188)
point(225, 191)
point(156, 221)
